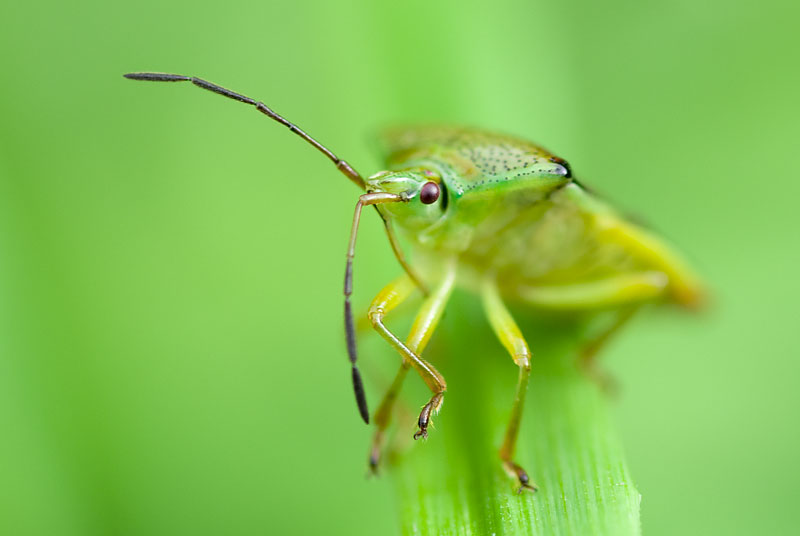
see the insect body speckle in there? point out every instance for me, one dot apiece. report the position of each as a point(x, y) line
point(500, 217)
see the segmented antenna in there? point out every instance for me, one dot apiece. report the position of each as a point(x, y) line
point(365, 199)
point(341, 165)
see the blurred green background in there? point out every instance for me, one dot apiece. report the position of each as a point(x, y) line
point(171, 355)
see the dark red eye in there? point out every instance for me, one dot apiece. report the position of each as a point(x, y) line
point(429, 193)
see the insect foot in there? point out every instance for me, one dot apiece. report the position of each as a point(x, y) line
point(604, 380)
point(518, 473)
point(425, 415)
point(375, 453)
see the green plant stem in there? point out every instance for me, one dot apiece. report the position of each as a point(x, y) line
point(453, 482)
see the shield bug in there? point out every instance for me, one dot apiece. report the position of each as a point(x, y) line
point(500, 217)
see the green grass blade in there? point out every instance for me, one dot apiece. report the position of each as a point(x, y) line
point(453, 483)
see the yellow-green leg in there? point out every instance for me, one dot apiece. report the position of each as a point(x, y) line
point(510, 336)
point(383, 417)
point(587, 359)
point(616, 291)
point(424, 325)
point(622, 293)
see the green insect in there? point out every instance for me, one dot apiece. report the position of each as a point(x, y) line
point(505, 219)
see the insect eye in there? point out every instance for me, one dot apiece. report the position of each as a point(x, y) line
point(567, 171)
point(429, 193)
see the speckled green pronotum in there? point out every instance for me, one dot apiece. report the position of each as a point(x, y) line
point(505, 219)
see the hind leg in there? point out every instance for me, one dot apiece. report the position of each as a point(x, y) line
point(623, 293)
point(587, 357)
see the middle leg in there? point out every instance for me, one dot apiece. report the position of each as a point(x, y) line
point(510, 336)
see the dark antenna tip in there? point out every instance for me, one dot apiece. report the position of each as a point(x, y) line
point(358, 385)
point(361, 398)
point(157, 77)
point(341, 165)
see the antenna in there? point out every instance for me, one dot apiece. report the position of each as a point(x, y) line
point(364, 200)
point(341, 165)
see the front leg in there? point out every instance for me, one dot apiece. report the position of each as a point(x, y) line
point(424, 325)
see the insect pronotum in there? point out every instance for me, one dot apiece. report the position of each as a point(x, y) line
point(500, 217)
